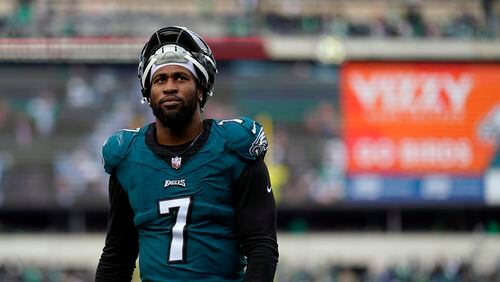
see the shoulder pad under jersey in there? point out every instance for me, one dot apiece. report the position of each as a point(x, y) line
point(116, 148)
point(244, 136)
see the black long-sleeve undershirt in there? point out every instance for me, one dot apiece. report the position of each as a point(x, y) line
point(255, 211)
point(121, 248)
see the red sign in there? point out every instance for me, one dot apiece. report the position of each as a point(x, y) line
point(420, 117)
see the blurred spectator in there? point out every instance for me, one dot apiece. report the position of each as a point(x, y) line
point(329, 184)
point(323, 120)
point(22, 19)
point(488, 7)
point(43, 110)
point(24, 131)
point(219, 111)
point(415, 19)
point(4, 113)
point(466, 25)
point(80, 93)
point(335, 25)
point(5, 162)
point(76, 174)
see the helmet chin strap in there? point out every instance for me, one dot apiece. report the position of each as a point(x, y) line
point(144, 100)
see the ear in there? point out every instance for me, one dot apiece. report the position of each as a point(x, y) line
point(200, 94)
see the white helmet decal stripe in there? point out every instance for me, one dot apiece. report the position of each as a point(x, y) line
point(146, 70)
point(200, 67)
point(173, 53)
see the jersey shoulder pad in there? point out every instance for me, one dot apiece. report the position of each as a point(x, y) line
point(244, 136)
point(116, 147)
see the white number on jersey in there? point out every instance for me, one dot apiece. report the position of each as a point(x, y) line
point(179, 230)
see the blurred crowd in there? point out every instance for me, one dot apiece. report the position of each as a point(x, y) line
point(23, 272)
point(409, 19)
point(66, 118)
point(63, 116)
point(446, 271)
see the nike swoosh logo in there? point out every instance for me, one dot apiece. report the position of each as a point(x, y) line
point(268, 189)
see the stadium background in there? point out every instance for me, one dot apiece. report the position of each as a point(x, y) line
point(383, 118)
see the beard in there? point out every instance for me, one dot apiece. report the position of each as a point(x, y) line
point(176, 119)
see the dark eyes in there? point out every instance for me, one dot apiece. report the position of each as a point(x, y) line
point(158, 79)
point(177, 77)
point(182, 77)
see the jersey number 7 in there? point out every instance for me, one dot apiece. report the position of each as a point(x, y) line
point(179, 208)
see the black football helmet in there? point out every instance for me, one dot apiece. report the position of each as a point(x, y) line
point(163, 46)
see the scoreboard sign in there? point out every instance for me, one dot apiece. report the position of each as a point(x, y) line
point(418, 119)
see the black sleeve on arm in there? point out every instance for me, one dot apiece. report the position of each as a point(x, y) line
point(256, 219)
point(120, 251)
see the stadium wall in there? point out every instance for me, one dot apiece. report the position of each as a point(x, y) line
point(375, 251)
point(325, 49)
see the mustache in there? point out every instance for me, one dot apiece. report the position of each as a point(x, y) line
point(171, 97)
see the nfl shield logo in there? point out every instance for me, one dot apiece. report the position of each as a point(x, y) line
point(176, 162)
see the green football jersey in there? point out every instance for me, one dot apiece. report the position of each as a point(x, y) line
point(184, 210)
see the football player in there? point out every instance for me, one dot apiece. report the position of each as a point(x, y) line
point(190, 196)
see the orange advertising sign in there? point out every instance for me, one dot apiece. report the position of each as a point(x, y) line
point(420, 117)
